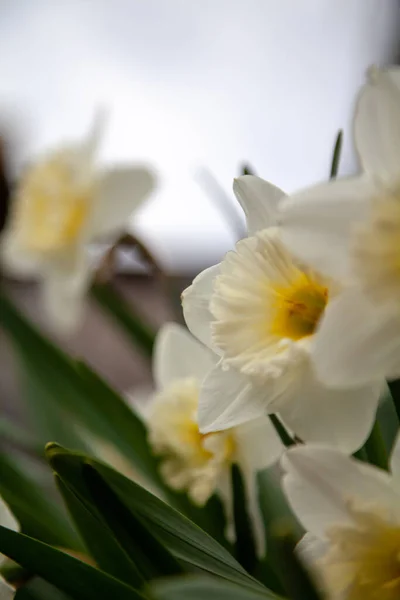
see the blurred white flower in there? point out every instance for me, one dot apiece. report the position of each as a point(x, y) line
point(7, 519)
point(351, 512)
point(258, 311)
point(350, 228)
point(60, 205)
point(199, 464)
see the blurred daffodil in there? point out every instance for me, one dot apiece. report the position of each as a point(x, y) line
point(350, 228)
point(351, 512)
point(259, 311)
point(8, 520)
point(199, 464)
point(62, 203)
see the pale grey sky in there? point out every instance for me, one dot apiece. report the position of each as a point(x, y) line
point(193, 84)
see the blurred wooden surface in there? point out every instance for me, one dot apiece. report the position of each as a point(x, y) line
point(99, 341)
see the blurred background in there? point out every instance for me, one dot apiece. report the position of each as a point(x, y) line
point(196, 90)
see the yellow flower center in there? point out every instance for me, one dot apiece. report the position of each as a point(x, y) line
point(52, 205)
point(364, 560)
point(263, 303)
point(377, 248)
point(190, 460)
point(298, 307)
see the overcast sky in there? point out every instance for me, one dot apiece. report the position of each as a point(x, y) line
point(192, 84)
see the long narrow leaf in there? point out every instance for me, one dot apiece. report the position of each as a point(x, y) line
point(199, 588)
point(150, 557)
point(100, 543)
point(37, 515)
point(185, 540)
point(245, 549)
point(72, 576)
point(88, 403)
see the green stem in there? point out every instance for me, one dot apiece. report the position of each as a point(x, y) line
point(394, 387)
point(337, 150)
point(286, 439)
point(375, 448)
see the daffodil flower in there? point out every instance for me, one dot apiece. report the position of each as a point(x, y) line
point(190, 461)
point(351, 512)
point(259, 311)
point(62, 203)
point(350, 228)
point(8, 520)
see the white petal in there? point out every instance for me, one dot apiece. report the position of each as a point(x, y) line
point(258, 445)
point(6, 591)
point(339, 418)
point(178, 355)
point(90, 145)
point(196, 305)
point(377, 125)
point(320, 483)
point(65, 282)
point(121, 191)
point(311, 549)
point(357, 342)
point(7, 519)
point(228, 398)
point(15, 259)
point(395, 459)
point(317, 223)
point(259, 200)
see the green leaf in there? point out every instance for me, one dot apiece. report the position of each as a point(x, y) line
point(275, 510)
point(99, 541)
point(72, 395)
point(123, 314)
point(76, 393)
point(295, 578)
point(388, 420)
point(37, 514)
point(394, 387)
point(38, 589)
point(245, 549)
point(194, 548)
point(376, 449)
point(199, 588)
point(69, 575)
point(150, 557)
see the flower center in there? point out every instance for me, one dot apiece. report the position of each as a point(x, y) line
point(190, 460)
point(298, 307)
point(263, 303)
point(377, 249)
point(364, 560)
point(52, 205)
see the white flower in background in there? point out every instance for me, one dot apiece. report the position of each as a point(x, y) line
point(62, 203)
point(199, 464)
point(258, 311)
point(351, 512)
point(351, 228)
point(7, 519)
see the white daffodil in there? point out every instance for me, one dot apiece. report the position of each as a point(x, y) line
point(351, 228)
point(258, 311)
point(61, 204)
point(7, 519)
point(351, 512)
point(199, 464)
